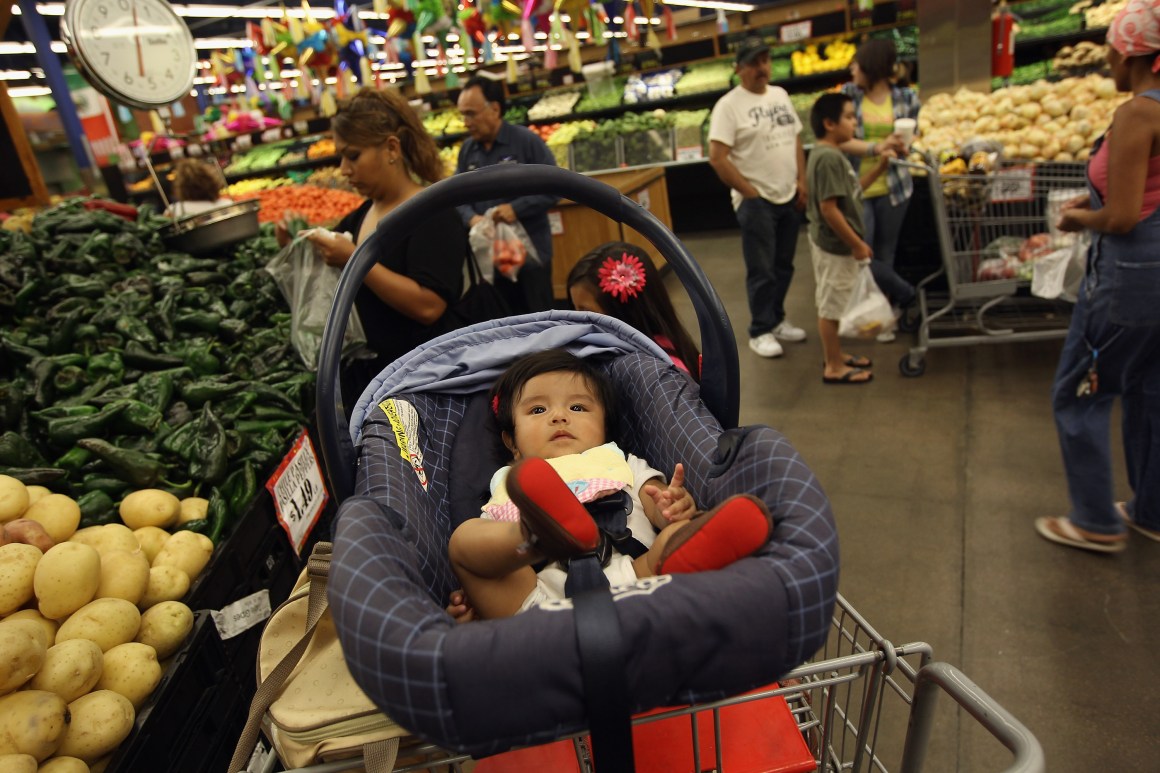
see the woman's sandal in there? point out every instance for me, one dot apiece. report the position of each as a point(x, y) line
point(554, 521)
point(1062, 532)
point(738, 527)
point(1126, 517)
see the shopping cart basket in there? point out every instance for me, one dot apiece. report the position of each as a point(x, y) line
point(984, 221)
point(864, 704)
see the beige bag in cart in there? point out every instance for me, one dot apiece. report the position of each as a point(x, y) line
point(306, 723)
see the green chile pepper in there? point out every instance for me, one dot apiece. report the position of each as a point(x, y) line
point(208, 390)
point(135, 330)
point(97, 508)
point(216, 515)
point(139, 469)
point(34, 476)
point(95, 481)
point(69, 429)
point(136, 355)
point(139, 418)
point(74, 459)
point(210, 454)
point(17, 451)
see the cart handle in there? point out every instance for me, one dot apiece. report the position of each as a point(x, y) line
point(720, 384)
point(997, 720)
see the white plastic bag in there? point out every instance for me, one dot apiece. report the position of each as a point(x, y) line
point(308, 285)
point(503, 247)
point(1059, 273)
point(868, 313)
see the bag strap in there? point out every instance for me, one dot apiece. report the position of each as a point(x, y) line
point(602, 667)
point(380, 756)
point(473, 270)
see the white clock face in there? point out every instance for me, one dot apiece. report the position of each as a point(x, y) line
point(136, 51)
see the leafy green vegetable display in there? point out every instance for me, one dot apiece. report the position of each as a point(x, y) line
point(124, 365)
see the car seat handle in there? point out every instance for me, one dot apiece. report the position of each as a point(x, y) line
point(720, 373)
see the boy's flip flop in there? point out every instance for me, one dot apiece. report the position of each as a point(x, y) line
point(1125, 516)
point(558, 525)
point(738, 527)
point(1062, 532)
point(848, 377)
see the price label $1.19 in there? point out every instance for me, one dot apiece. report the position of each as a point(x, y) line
point(298, 491)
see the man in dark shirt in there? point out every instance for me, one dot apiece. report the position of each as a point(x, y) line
point(494, 141)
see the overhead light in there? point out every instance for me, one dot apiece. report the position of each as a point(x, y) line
point(30, 91)
point(27, 48)
point(215, 43)
point(719, 4)
point(15, 75)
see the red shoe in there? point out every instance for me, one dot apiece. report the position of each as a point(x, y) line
point(557, 524)
point(738, 527)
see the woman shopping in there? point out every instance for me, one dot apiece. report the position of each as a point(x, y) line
point(1113, 345)
point(388, 156)
point(878, 105)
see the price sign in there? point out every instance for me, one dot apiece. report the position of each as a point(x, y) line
point(556, 223)
point(271, 135)
point(301, 127)
point(1013, 184)
point(644, 199)
point(242, 615)
point(176, 152)
point(243, 142)
point(800, 30)
point(861, 14)
point(691, 153)
point(298, 491)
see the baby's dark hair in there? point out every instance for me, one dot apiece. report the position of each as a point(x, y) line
point(508, 388)
point(196, 180)
point(828, 107)
point(650, 311)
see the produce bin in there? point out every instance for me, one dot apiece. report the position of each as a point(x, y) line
point(653, 146)
point(593, 154)
point(191, 722)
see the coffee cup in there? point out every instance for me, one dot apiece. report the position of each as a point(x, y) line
point(904, 128)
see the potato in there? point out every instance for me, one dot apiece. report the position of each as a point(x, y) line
point(66, 579)
point(101, 765)
point(29, 532)
point(187, 551)
point(150, 507)
point(165, 626)
point(22, 649)
point(17, 763)
point(13, 498)
point(166, 583)
point(131, 670)
point(70, 669)
point(49, 626)
point(193, 509)
point(36, 492)
point(124, 575)
point(108, 538)
point(32, 722)
point(63, 765)
point(17, 567)
point(58, 514)
point(108, 622)
point(151, 539)
point(100, 721)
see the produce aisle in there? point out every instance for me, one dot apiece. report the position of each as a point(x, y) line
point(147, 398)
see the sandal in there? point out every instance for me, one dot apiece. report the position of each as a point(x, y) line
point(1062, 532)
point(1122, 509)
point(848, 377)
point(554, 521)
point(738, 527)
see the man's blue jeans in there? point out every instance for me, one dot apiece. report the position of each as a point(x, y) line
point(768, 240)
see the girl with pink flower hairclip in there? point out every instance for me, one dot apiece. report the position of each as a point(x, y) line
point(620, 280)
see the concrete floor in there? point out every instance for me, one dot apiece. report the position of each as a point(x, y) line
point(935, 483)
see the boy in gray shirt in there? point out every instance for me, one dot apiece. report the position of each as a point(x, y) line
point(836, 231)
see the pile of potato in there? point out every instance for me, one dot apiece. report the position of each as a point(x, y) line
point(86, 620)
point(1038, 122)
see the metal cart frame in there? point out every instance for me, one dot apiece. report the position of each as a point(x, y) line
point(1010, 201)
point(840, 701)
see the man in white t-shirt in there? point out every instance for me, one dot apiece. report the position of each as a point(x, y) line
point(756, 149)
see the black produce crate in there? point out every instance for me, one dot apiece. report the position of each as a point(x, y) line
point(233, 558)
point(193, 719)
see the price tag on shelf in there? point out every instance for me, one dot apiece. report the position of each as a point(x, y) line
point(691, 153)
point(301, 127)
point(298, 491)
point(800, 30)
point(556, 223)
point(176, 152)
point(243, 142)
point(644, 199)
point(271, 135)
point(242, 615)
point(1015, 183)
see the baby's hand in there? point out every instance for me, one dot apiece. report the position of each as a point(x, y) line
point(460, 608)
point(674, 501)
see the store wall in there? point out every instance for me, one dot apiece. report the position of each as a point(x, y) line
point(954, 47)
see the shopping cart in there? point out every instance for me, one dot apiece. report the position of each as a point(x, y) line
point(864, 704)
point(981, 294)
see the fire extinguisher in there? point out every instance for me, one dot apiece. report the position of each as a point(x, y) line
point(1002, 42)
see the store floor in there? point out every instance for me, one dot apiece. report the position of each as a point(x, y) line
point(935, 482)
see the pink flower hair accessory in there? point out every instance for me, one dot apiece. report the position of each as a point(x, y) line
point(623, 278)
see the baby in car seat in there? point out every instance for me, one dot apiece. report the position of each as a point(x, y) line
point(556, 413)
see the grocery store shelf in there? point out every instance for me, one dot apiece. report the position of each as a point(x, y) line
point(307, 163)
point(1066, 38)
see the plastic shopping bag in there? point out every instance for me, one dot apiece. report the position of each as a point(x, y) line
point(503, 247)
point(308, 285)
point(1059, 273)
point(868, 313)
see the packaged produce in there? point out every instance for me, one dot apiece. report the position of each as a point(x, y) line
point(708, 76)
point(652, 87)
point(554, 105)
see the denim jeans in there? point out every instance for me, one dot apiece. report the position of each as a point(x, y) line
point(883, 224)
point(768, 240)
point(1128, 364)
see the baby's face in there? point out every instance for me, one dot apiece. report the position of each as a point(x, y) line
point(556, 414)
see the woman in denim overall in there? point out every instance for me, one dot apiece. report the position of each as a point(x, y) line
point(1113, 345)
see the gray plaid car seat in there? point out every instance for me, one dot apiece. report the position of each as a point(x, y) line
point(489, 686)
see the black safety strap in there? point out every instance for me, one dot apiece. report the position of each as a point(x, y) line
point(606, 698)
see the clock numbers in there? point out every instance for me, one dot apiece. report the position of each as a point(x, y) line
point(152, 83)
point(103, 10)
point(107, 56)
point(169, 74)
point(123, 4)
point(148, 12)
point(128, 79)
